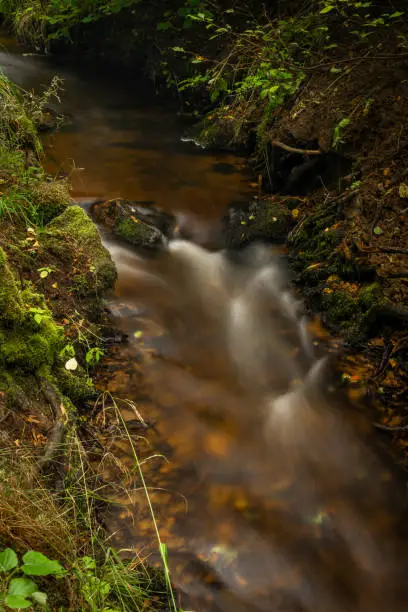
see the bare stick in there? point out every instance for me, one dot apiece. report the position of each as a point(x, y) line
point(391, 429)
point(282, 145)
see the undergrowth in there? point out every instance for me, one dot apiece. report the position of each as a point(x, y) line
point(62, 523)
point(25, 190)
point(239, 61)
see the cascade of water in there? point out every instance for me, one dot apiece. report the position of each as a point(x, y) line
point(312, 535)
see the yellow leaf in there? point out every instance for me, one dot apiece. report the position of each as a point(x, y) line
point(314, 266)
point(403, 190)
point(295, 213)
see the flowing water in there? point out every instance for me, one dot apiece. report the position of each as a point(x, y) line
point(263, 478)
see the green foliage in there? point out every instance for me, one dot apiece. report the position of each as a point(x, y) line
point(20, 592)
point(25, 194)
point(338, 132)
point(94, 355)
point(22, 113)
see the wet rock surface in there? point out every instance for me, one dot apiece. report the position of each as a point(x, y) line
point(141, 226)
point(264, 220)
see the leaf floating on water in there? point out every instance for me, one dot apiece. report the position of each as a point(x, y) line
point(71, 364)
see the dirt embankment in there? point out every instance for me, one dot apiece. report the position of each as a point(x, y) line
point(348, 197)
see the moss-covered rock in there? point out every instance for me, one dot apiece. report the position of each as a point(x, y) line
point(138, 233)
point(29, 337)
point(50, 199)
point(74, 238)
point(349, 308)
point(264, 220)
point(76, 385)
point(146, 228)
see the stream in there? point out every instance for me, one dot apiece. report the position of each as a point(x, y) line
point(265, 482)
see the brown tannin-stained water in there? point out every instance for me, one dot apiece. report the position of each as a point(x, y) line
point(262, 477)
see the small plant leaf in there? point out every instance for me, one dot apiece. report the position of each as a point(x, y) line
point(88, 562)
point(37, 564)
point(17, 602)
point(8, 560)
point(377, 230)
point(164, 553)
point(22, 586)
point(39, 597)
point(327, 9)
point(403, 190)
point(71, 364)
point(44, 274)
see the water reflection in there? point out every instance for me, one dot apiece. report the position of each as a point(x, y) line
point(119, 141)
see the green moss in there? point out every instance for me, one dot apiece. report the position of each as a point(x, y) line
point(25, 343)
point(341, 308)
point(12, 311)
point(76, 385)
point(28, 350)
point(136, 232)
point(74, 237)
point(50, 200)
point(369, 296)
point(28, 353)
point(80, 284)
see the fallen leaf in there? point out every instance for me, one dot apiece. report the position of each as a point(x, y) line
point(31, 419)
point(403, 190)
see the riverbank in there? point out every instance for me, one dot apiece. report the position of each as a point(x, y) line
point(54, 276)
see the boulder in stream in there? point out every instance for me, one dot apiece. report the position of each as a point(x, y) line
point(264, 220)
point(141, 226)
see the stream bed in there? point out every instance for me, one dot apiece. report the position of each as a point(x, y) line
point(260, 474)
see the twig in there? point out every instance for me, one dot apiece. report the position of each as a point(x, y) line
point(354, 59)
point(391, 429)
point(393, 250)
point(282, 145)
point(343, 197)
